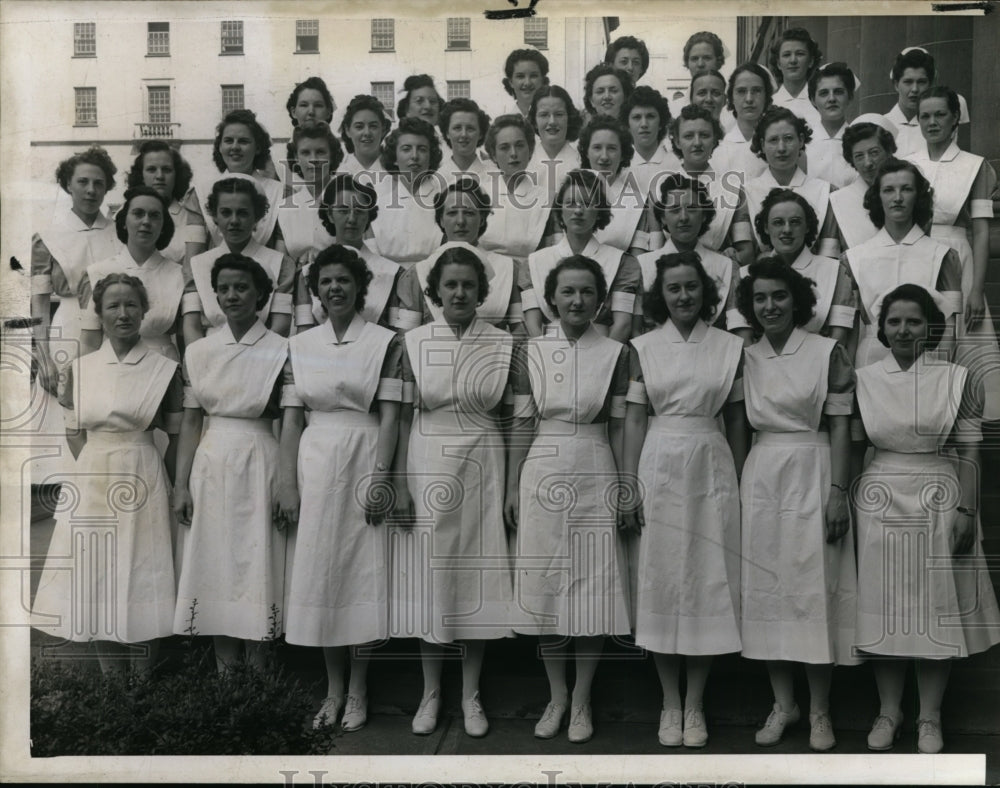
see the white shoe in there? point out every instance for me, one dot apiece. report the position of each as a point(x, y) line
point(355, 714)
point(476, 724)
point(550, 723)
point(885, 730)
point(821, 736)
point(581, 728)
point(671, 732)
point(329, 711)
point(695, 730)
point(775, 726)
point(426, 718)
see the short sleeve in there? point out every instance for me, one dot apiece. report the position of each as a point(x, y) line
point(736, 391)
point(949, 283)
point(171, 406)
point(41, 267)
point(409, 392)
point(968, 425)
point(411, 309)
point(190, 400)
point(980, 199)
point(524, 403)
point(390, 382)
point(636, 382)
point(289, 395)
point(828, 244)
point(65, 386)
point(529, 297)
point(193, 231)
point(89, 320)
point(740, 229)
point(734, 318)
point(840, 384)
point(842, 306)
point(284, 286)
point(626, 285)
point(619, 385)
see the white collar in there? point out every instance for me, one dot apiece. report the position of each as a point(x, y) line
point(133, 357)
point(795, 340)
point(252, 337)
point(672, 334)
point(589, 338)
point(352, 334)
point(884, 239)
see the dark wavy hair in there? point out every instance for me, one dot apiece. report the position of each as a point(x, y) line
point(655, 305)
point(915, 58)
point(645, 96)
point(835, 69)
point(693, 112)
point(794, 34)
point(946, 93)
point(262, 140)
point(320, 131)
point(628, 42)
point(705, 37)
point(776, 197)
point(773, 267)
point(313, 83)
point(923, 208)
point(703, 75)
point(678, 182)
point(119, 278)
point(574, 121)
point(345, 182)
point(166, 231)
point(356, 105)
point(456, 255)
point(604, 70)
point(418, 127)
point(593, 186)
point(516, 57)
point(932, 314)
point(462, 105)
point(464, 185)
point(865, 131)
point(759, 71)
point(239, 262)
point(347, 257)
point(777, 115)
point(95, 155)
point(515, 121)
point(576, 262)
point(237, 186)
point(415, 82)
point(182, 170)
point(606, 123)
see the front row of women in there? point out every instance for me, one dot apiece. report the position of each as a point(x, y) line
point(387, 492)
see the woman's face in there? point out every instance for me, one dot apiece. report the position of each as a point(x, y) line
point(424, 104)
point(158, 173)
point(311, 108)
point(644, 124)
point(238, 149)
point(460, 218)
point(912, 84)
point(459, 292)
point(867, 156)
point(87, 186)
point(349, 216)
point(144, 222)
point(237, 295)
point(526, 78)
point(313, 156)
point(365, 131)
point(578, 211)
point(696, 139)
point(682, 218)
point(773, 306)
point(605, 152)
point(413, 153)
point(338, 292)
point(782, 145)
point(575, 297)
point(701, 59)
point(463, 133)
point(937, 123)
point(749, 97)
point(898, 193)
point(121, 312)
point(794, 61)
point(629, 61)
point(683, 294)
point(786, 225)
point(831, 99)
point(607, 96)
point(552, 121)
point(235, 219)
point(512, 152)
point(905, 326)
point(709, 92)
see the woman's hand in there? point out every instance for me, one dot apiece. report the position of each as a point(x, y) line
point(285, 508)
point(511, 508)
point(183, 505)
point(630, 515)
point(732, 254)
point(403, 514)
point(975, 308)
point(380, 498)
point(838, 518)
point(47, 373)
point(963, 531)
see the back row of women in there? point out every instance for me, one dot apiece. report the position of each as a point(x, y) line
point(420, 431)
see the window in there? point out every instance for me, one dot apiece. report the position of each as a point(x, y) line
point(307, 35)
point(84, 39)
point(383, 35)
point(536, 32)
point(86, 106)
point(458, 89)
point(385, 92)
point(232, 98)
point(459, 36)
point(159, 104)
point(158, 38)
point(232, 38)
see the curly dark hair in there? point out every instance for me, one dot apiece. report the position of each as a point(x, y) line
point(776, 197)
point(166, 231)
point(118, 278)
point(515, 57)
point(705, 37)
point(456, 255)
point(604, 70)
point(261, 139)
point(320, 131)
point(414, 82)
point(462, 105)
point(678, 182)
point(923, 208)
point(356, 105)
point(237, 186)
point(835, 69)
point(239, 262)
point(864, 131)
point(574, 121)
point(773, 267)
point(516, 121)
point(655, 305)
point(915, 58)
point(417, 127)
point(645, 96)
point(313, 83)
point(593, 187)
point(777, 115)
point(182, 170)
point(932, 313)
point(576, 262)
point(946, 93)
point(464, 185)
point(628, 42)
point(693, 112)
point(761, 73)
point(345, 182)
point(95, 155)
point(347, 257)
point(606, 123)
point(801, 35)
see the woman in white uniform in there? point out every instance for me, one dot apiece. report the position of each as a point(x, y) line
point(364, 126)
point(463, 126)
point(648, 122)
point(831, 90)
point(605, 90)
point(912, 74)
point(793, 59)
point(557, 123)
point(867, 144)
point(924, 590)
point(748, 95)
point(525, 72)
